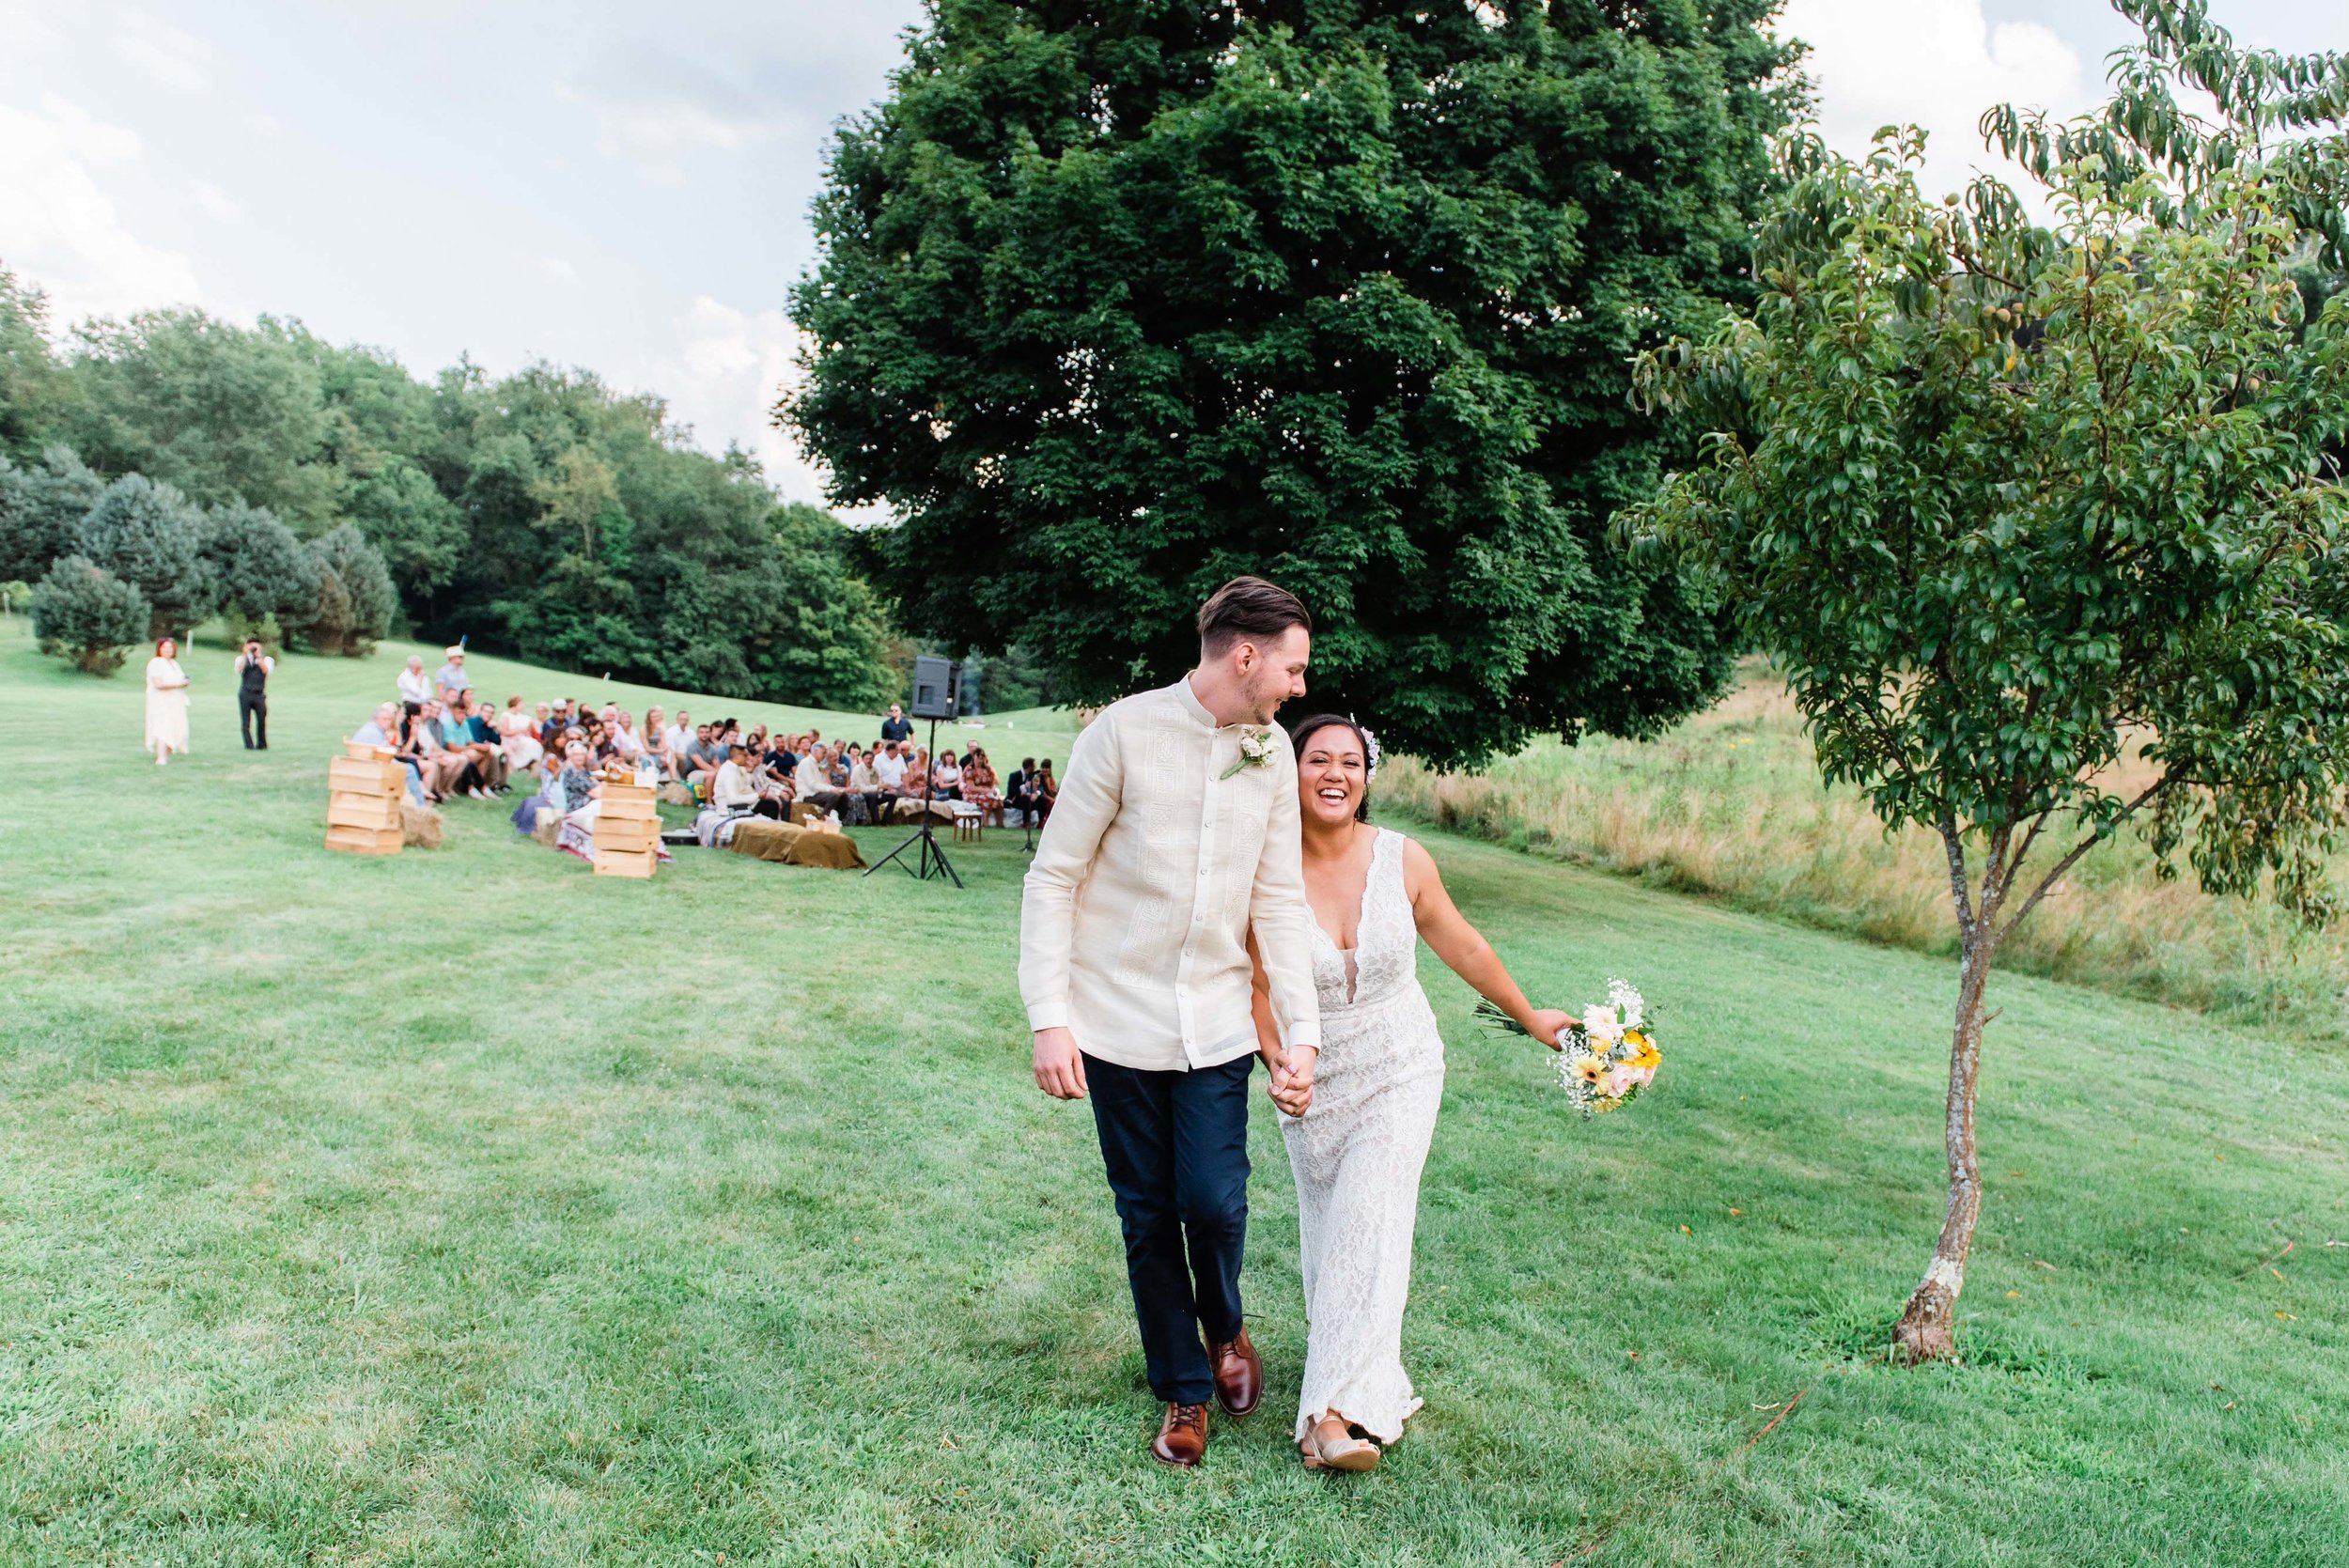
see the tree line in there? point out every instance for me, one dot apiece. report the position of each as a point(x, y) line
point(172, 466)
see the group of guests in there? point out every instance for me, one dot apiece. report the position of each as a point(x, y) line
point(453, 743)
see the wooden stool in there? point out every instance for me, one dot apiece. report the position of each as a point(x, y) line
point(967, 823)
point(363, 789)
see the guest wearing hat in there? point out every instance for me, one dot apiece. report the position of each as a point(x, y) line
point(452, 678)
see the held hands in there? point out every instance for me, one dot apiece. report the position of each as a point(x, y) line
point(1546, 1023)
point(1060, 1067)
point(1292, 1085)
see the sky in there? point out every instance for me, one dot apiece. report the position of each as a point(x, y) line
point(625, 187)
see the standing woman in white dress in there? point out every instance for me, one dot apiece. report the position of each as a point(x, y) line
point(1369, 1101)
point(166, 703)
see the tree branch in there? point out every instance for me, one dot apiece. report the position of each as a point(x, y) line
point(2072, 857)
point(1956, 848)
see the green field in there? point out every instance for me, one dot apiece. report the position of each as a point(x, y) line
point(461, 1208)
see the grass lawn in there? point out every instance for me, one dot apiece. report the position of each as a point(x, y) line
point(464, 1208)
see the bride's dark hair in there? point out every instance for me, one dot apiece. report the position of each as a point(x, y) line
point(1301, 733)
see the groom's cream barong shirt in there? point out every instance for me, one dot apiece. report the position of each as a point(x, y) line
point(1133, 929)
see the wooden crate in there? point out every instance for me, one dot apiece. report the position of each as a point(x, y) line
point(624, 863)
point(374, 812)
point(364, 786)
point(625, 833)
point(360, 840)
point(343, 774)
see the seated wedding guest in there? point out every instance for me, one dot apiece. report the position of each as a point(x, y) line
point(415, 685)
point(701, 757)
point(1019, 794)
point(459, 762)
point(1047, 789)
point(517, 733)
point(776, 773)
point(732, 789)
point(384, 730)
point(782, 758)
point(500, 766)
point(480, 743)
point(579, 782)
point(889, 767)
point(626, 744)
point(451, 678)
point(551, 728)
point(548, 801)
point(864, 789)
point(946, 777)
point(420, 738)
point(680, 733)
point(979, 783)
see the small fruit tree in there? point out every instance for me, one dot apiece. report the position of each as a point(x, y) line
point(2044, 523)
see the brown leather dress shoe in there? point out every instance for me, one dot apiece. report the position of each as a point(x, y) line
point(1238, 1375)
point(1182, 1438)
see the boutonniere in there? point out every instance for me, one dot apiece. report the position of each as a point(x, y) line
point(1255, 750)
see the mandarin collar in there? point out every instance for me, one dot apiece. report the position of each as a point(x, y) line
point(1192, 705)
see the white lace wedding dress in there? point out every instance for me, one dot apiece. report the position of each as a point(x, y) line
point(1357, 1154)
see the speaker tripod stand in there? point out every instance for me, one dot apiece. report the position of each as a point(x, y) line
point(929, 861)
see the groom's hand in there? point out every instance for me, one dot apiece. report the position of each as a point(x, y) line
point(1291, 1087)
point(1060, 1067)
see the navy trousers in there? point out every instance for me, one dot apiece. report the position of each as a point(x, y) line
point(1176, 1145)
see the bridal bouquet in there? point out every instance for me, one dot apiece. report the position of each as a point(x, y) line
point(1606, 1059)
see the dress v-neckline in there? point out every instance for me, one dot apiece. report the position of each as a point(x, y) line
point(1361, 911)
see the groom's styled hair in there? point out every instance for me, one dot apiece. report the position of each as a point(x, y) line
point(1247, 607)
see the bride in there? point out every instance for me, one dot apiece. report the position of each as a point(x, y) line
point(1368, 1105)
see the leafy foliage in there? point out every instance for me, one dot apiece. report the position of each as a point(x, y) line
point(84, 610)
point(542, 512)
point(150, 536)
point(355, 597)
point(259, 570)
point(41, 507)
point(28, 370)
point(2046, 525)
point(1117, 302)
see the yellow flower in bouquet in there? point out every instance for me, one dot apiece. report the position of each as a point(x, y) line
point(1606, 1058)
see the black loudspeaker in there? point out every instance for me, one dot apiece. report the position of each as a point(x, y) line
point(937, 687)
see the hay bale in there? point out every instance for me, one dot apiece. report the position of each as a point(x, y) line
point(421, 826)
point(675, 795)
point(548, 829)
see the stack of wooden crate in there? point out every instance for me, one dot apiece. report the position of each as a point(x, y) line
point(364, 787)
point(627, 831)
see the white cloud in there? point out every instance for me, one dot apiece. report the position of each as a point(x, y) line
point(558, 268)
point(727, 368)
point(216, 203)
point(166, 54)
point(1937, 64)
point(652, 108)
point(58, 226)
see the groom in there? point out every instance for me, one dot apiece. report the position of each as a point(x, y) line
point(1175, 831)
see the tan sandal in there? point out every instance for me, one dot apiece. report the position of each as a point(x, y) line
point(1345, 1452)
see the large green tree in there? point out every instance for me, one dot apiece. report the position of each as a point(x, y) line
point(28, 368)
point(1117, 301)
point(41, 507)
point(152, 537)
point(2045, 524)
point(217, 410)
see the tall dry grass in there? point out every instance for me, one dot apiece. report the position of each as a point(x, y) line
point(1730, 804)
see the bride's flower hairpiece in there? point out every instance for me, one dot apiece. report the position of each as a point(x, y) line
point(1369, 748)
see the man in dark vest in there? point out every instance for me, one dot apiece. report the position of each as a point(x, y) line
point(253, 668)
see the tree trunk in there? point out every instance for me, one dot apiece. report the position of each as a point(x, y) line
point(1927, 1330)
